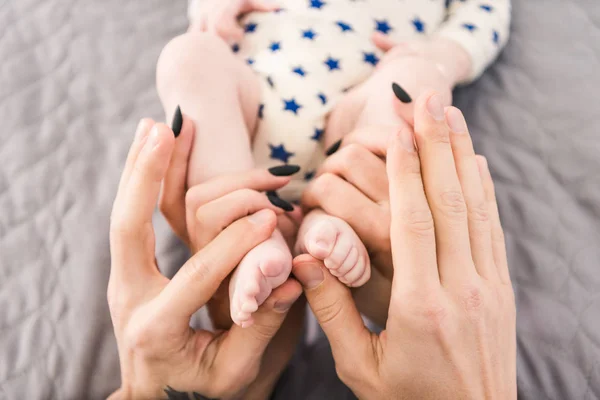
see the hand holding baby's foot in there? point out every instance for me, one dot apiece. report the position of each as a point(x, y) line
point(333, 241)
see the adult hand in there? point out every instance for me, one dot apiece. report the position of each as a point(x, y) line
point(151, 314)
point(451, 327)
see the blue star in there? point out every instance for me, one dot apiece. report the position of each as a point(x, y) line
point(318, 134)
point(261, 110)
point(469, 27)
point(383, 26)
point(280, 153)
point(486, 7)
point(309, 34)
point(316, 4)
point(418, 24)
point(323, 98)
point(235, 48)
point(291, 105)
point(344, 26)
point(370, 58)
point(250, 27)
point(270, 81)
point(299, 70)
point(309, 175)
point(332, 63)
point(275, 46)
point(250, 61)
point(496, 37)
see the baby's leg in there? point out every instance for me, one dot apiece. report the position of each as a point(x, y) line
point(332, 240)
point(221, 95)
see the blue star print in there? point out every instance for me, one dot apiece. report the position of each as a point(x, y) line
point(309, 34)
point(299, 70)
point(250, 61)
point(469, 27)
point(486, 7)
point(275, 46)
point(280, 153)
point(496, 37)
point(418, 24)
point(383, 26)
point(270, 81)
point(291, 105)
point(316, 4)
point(332, 64)
point(250, 27)
point(370, 58)
point(323, 98)
point(344, 26)
point(318, 134)
point(235, 48)
point(309, 175)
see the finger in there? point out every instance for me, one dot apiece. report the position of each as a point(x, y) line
point(212, 218)
point(382, 41)
point(374, 138)
point(132, 237)
point(257, 179)
point(412, 231)
point(341, 199)
point(244, 347)
point(172, 198)
point(141, 134)
point(361, 168)
point(288, 224)
point(226, 26)
point(199, 278)
point(332, 304)
point(468, 173)
point(498, 242)
point(261, 5)
point(442, 188)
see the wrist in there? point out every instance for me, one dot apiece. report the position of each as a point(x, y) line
point(452, 58)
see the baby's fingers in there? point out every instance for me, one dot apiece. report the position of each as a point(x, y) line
point(260, 5)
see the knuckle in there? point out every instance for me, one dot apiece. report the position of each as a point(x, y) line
point(479, 213)
point(473, 300)
point(353, 156)
point(139, 337)
point(328, 312)
point(438, 135)
point(322, 186)
point(419, 222)
point(197, 270)
point(452, 204)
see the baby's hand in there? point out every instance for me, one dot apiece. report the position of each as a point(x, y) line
point(220, 17)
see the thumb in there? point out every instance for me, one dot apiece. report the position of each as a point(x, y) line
point(382, 41)
point(333, 306)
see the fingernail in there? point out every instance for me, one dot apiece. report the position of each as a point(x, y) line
point(456, 120)
point(260, 217)
point(435, 107)
point(284, 305)
point(177, 122)
point(284, 170)
point(334, 147)
point(153, 139)
point(279, 202)
point(401, 93)
point(406, 139)
point(310, 276)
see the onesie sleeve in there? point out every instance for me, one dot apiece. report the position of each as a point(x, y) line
point(482, 28)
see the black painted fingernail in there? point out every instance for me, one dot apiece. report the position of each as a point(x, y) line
point(177, 122)
point(279, 202)
point(334, 147)
point(284, 170)
point(401, 94)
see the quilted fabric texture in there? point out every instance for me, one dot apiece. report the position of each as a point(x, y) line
point(75, 76)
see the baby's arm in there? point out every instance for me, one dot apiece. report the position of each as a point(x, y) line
point(481, 28)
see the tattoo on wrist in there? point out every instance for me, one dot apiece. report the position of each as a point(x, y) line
point(173, 394)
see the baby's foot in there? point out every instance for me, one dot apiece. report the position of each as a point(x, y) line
point(264, 268)
point(332, 240)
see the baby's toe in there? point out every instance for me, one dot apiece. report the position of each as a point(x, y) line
point(320, 240)
point(341, 250)
point(360, 273)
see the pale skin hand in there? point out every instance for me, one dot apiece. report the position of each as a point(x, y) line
point(220, 17)
point(151, 314)
point(450, 331)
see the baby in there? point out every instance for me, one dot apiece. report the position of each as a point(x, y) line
point(271, 83)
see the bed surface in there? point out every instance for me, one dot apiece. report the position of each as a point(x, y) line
point(75, 76)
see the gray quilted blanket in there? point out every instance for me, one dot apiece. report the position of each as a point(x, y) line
point(75, 76)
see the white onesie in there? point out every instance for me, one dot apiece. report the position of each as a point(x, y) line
point(310, 52)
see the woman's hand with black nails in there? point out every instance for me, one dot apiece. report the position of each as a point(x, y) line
point(451, 328)
point(151, 314)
